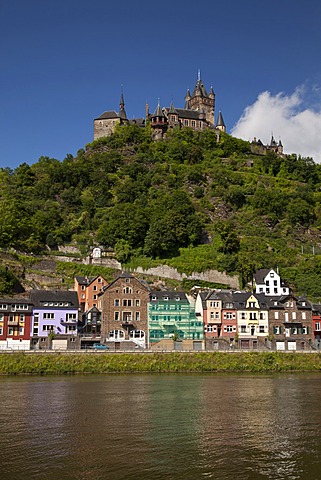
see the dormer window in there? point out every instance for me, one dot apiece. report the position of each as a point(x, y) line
point(166, 298)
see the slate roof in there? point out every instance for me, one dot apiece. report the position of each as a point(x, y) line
point(108, 115)
point(85, 280)
point(260, 275)
point(192, 114)
point(220, 121)
point(199, 88)
point(171, 295)
point(38, 297)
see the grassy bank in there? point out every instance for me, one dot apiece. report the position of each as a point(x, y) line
point(202, 362)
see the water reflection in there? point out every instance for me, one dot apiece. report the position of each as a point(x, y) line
point(160, 427)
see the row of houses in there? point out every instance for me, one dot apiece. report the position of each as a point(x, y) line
point(127, 314)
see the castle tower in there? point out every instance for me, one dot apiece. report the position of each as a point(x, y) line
point(202, 101)
point(220, 125)
point(158, 123)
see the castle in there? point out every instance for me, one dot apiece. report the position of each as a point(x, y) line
point(198, 113)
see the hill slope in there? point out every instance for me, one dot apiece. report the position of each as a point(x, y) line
point(189, 201)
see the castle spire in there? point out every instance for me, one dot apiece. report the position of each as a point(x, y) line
point(220, 125)
point(122, 111)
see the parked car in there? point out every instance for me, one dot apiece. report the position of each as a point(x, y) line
point(99, 346)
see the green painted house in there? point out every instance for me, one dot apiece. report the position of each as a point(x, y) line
point(170, 315)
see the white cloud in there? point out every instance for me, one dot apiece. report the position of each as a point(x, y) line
point(288, 118)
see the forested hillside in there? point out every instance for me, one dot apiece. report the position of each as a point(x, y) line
point(190, 201)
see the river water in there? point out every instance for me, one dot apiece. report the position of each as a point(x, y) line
point(161, 427)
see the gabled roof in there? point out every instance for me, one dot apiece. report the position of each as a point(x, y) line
point(108, 115)
point(38, 297)
point(260, 275)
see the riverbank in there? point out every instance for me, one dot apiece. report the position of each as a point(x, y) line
point(200, 362)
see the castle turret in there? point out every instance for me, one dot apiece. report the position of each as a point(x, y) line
point(158, 123)
point(220, 125)
point(187, 100)
point(172, 116)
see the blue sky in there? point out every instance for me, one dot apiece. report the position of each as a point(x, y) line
point(63, 63)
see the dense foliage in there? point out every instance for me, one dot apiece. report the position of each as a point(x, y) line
point(192, 201)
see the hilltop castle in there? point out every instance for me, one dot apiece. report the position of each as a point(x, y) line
point(198, 113)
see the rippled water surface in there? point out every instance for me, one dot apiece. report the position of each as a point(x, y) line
point(161, 427)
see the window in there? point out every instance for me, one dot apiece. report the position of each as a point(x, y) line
point(275, 283)
point(95, 297)
point(83, 287)
point(243, 328)
point(127, 290)
point(214, 304)
point(261, 315)
point(10, 331)
point(228, 328)
point(1, 317)
point(137, 302)
point(293, 315)
point(127, 280)
point(116, 302)
point(267, 283)
point(1, 331)
point(276, 315)
point(48, 328)
point(3, 306)
point(242, 316)
point(193, 123)
point(95, 288)
point(317, 325)
point(71, 317)
point(137, 334)
point(116, 316)
point(127, 303)
point(252, 304)
point(304, 316)
point(48, 316)
point(261, 329)
point(186, 123)
point(252, 315)
point(116, 334)
point(99, 280)
point(267, 290)
point(229, 315)
point(127, 317)
point(305, 330)
point(82, 295)
point(137, 316)
point(229, 305)
point(21, 331)
point(22, 318)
